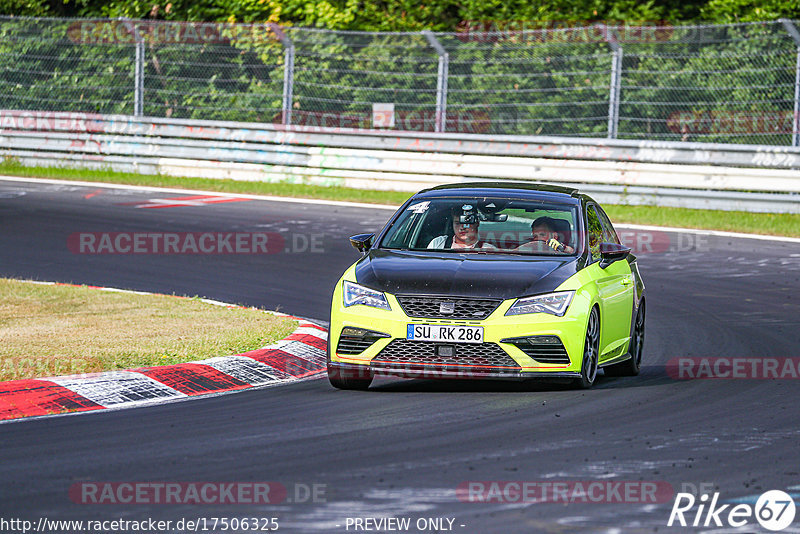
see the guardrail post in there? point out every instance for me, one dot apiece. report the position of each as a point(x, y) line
point(441, 80)
point(615, 85)
point(138, 69)
point(288, 74)
point(792, 30)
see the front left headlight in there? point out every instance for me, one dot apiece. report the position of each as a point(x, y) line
point(552, 303)
point(355, 294)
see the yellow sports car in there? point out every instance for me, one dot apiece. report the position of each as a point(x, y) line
point(489, 280)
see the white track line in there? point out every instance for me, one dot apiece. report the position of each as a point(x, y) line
point(201, 192)
point(718, 233)
point(699, 231)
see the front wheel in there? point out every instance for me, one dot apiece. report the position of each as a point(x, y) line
point(591, 351)
point(339, 378)
point(345, 379)
point(631, 366)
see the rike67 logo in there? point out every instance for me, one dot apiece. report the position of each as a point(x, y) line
point(774, 510)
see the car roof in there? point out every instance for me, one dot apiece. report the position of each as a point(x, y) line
point(522, 190)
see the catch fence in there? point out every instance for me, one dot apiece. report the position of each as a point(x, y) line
point(735, 83)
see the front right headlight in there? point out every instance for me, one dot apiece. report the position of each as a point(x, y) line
point(552, 303)
point(355, 294)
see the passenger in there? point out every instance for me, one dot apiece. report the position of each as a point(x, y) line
point(544, 235)
point(465, 223)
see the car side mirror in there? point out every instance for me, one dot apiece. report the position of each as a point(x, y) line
point(362, 242)
point(611, 252)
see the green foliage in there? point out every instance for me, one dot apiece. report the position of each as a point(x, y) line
point(170, 10)
point(749, 10)
point(28, 8)
point(412, 15)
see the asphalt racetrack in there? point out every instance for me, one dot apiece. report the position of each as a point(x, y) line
point(403, 448)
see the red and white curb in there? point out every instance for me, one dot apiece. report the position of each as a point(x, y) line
point(299, 356)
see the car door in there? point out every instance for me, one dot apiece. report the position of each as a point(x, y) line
point(615, 287)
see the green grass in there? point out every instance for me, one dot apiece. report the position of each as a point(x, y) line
point(735, 221)
point(783, 224)
point(50, 330)
point(208, 184)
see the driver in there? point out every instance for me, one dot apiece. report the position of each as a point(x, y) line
point(544, 235)
point(465, 231)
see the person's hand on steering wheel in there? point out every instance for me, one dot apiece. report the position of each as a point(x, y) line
point(556, 245)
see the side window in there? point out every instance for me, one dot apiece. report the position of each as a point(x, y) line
point(609, 234)
point(594, 231)
point(400, 231)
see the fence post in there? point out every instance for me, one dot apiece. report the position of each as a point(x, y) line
point(441, 80)
point(138, 108)
point(615, 85)
point(792, 30)
point(288, 74)
point(138, 69)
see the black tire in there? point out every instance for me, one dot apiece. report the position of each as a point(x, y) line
point(591, 352)
point(632, 365)
point(340, 379)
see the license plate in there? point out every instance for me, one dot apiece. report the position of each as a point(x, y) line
point(439, 332)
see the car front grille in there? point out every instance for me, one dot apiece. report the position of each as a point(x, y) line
point(438, 307)
point(475, 355)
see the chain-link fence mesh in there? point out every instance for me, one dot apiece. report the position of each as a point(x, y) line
point(338, 76)
point(44, 67)
point(212, 71)
point(727, 83)
point(526, 85)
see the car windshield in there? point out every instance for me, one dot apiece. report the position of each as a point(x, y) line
point(486, 225)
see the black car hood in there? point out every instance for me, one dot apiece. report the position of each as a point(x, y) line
point(462, 275)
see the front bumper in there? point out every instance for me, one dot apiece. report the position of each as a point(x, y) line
point(504, 361)
point(431, 372)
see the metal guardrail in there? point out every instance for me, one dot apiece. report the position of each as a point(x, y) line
point(730, 177)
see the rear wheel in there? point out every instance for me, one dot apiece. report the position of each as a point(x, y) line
point(631, 366)
point(591, 350)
